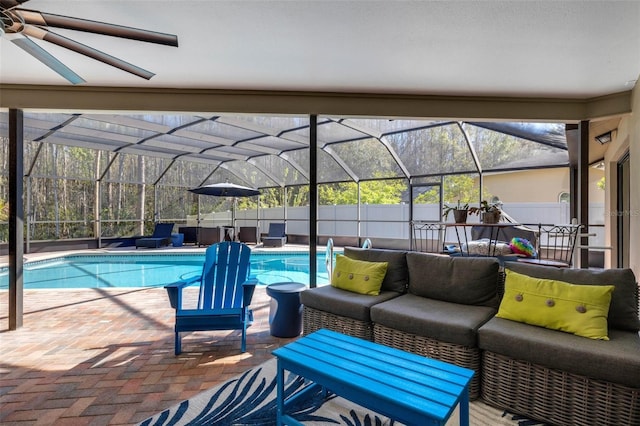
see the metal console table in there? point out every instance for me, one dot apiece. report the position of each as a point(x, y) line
point(495, 229)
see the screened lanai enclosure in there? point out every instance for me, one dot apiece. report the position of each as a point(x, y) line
point(102, 176)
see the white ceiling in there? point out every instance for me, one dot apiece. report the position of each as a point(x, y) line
point(574, 49)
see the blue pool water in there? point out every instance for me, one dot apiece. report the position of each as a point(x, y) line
point(130, 270)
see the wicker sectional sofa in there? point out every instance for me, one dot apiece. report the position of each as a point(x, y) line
point(444, 308)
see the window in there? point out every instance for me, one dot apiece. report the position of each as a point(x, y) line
point(564, 197)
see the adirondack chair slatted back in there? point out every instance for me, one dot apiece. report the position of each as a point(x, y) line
point(227, 266)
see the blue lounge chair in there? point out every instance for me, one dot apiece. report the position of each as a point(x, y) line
point(161, 236)
point(224, 297)
point(276, 237)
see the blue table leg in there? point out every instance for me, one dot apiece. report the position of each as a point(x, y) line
point(464, 407)
point(280, 400)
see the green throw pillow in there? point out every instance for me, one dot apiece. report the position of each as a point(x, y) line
point(572, 308)
point(358, 276)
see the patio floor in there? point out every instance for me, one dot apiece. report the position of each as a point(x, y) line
point(105, 356)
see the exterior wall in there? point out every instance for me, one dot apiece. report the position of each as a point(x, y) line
point(627, 139)
point(538, 186)
point(635, 180)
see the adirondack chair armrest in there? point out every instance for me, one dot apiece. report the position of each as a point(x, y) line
point(174, 290)
point(188, 279)
point(247, 290)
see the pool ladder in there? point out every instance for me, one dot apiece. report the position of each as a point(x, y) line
point(328, 256)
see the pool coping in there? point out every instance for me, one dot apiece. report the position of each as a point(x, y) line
point(33, 257)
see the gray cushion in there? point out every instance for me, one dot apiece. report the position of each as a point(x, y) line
point(397, 276)
point(623, 311)
point(616, 360)
point(343, 303)
point(466, 280)
point(443, 321)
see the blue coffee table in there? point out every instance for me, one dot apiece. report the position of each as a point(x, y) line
point(406, 387)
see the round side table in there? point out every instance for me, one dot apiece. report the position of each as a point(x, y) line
point(177, 240)
point(285, 310)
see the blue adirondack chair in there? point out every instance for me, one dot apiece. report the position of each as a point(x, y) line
point(225, 293)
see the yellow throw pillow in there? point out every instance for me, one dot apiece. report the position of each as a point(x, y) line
point(572, 308)
point(358, 276)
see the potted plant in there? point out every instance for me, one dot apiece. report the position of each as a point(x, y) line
point(489, 213)
point(460, 212)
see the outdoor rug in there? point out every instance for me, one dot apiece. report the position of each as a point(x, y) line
point(250, 399)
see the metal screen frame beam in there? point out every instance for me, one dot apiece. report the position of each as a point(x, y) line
point(313, 200)
point(16, 218)
point(583, 193)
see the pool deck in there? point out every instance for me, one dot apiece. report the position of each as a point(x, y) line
point(105, 356)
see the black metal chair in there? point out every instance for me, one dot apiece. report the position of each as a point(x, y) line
point(555, 245)
point(428, 237)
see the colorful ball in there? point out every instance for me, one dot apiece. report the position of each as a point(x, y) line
point(522, 246)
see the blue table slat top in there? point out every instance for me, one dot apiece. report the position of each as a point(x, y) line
point(406, 387)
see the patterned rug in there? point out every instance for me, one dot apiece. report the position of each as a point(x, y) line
point(250, 399)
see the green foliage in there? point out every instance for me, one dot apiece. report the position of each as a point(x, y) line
point(4, 211)
point(388, 191)
point(462, 188)
point(342, 193)
point(298, 195)
point(602, 184)
point(484, 207)
point(270, 197)
point(458, 206)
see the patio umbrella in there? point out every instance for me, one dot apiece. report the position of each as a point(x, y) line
point(226, 189)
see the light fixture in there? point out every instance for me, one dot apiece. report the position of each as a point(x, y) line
point(604, 138)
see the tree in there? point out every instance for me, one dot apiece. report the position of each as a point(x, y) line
point(455, 188)
point(4, 211)
point(388, 191)
point(64, 179)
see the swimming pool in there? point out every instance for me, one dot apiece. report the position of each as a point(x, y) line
point(154, 270)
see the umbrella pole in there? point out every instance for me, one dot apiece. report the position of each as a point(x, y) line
point(233, 213)
point(198, 213)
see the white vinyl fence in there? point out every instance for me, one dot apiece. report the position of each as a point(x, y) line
point(391, 221)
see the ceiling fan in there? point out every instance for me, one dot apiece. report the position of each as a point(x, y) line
point(21, 24)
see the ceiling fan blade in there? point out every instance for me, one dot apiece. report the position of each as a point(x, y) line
point(48, 59)
point(67, 22)
point(8, 4)
point(83, 49)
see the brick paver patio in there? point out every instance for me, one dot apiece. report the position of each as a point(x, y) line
point(105, 356)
